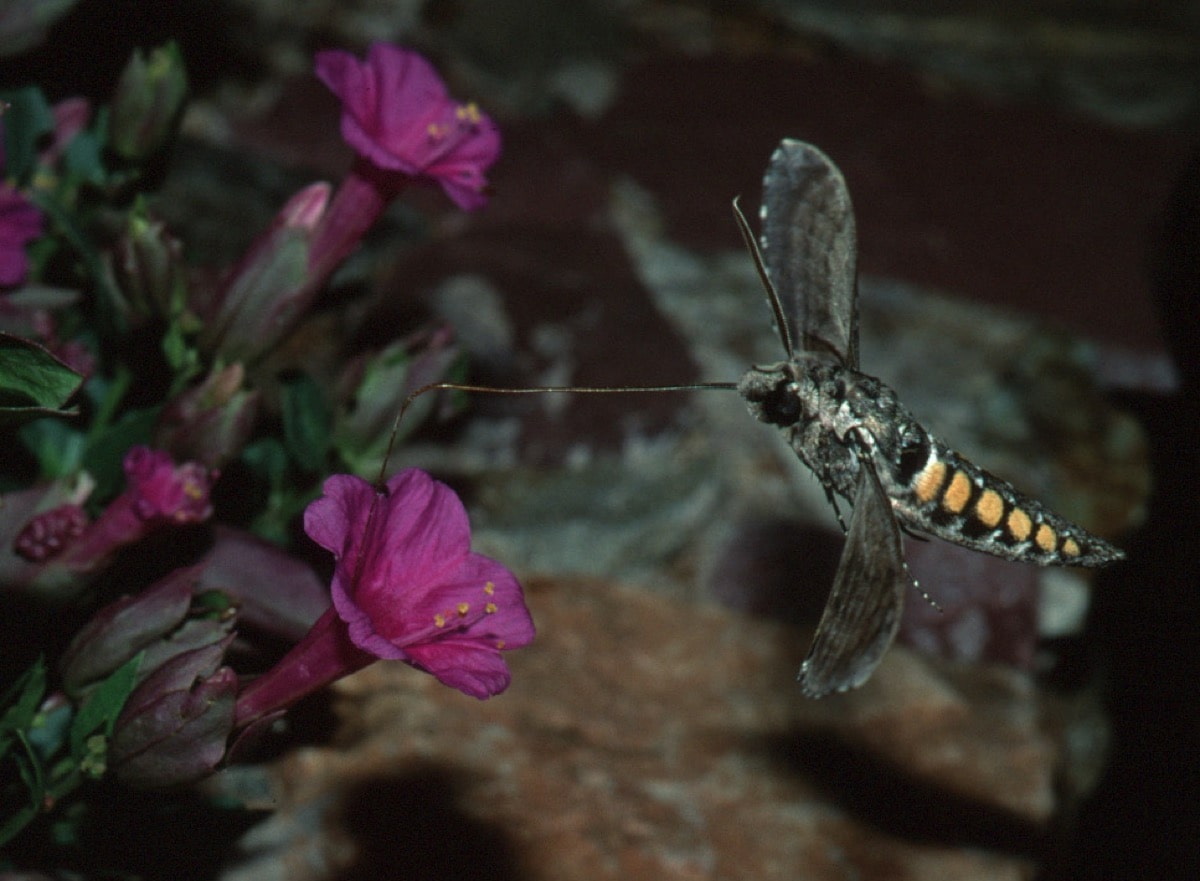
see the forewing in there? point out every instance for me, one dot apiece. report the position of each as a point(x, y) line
point(811, 249)
point(862, 613)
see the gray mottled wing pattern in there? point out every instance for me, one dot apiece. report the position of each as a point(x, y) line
point(810, 248)
point(862, 614)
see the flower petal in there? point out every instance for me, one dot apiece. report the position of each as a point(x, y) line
point(407, 587)
point(398, 116)
point(20, 222)
point(467, 666)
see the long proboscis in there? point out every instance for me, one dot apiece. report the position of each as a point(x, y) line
point(537, 390)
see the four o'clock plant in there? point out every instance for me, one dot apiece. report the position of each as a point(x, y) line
point(155, 441)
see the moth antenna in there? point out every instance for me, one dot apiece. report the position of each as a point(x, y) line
point(781, 325)
point(535, 390)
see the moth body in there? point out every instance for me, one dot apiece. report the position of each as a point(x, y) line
point(832, 415)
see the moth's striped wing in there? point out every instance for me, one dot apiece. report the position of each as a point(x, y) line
point(810, 249)
point(862, 614)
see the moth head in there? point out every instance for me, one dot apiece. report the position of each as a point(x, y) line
point(772, 394)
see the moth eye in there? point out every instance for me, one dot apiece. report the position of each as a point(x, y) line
point(782, 406)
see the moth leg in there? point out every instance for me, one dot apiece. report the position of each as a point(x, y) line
point(833, 503)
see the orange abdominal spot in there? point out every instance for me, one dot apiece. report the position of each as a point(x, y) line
point(1019, 524)
point(1045, 538)
point(990, 508)
point(957, 493)
point(929, 481)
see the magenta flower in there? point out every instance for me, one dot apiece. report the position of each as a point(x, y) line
point(397, 115)
point(399, 118)
point(20, 223)
point(160, 490)
point(406, 586)
point(159, 493)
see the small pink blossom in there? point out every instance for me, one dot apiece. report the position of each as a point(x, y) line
point(20, 223)
point(406, 586)
point(158, 493)
point(160, 490)
point(398, 115)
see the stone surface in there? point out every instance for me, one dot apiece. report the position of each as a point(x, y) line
point(1130, 62)
point(644, 738)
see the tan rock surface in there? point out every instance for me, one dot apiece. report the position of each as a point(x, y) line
point(645, 738)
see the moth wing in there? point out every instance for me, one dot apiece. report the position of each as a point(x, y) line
point(862, 614)
point(810, 248)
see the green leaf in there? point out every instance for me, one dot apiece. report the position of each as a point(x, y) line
point(99, 712)
point(27, 119)
point(33, 383)
point(285, 499)
point(307, 423)
point(49, 731)
point(268, 460)
point(57, 446)
point(29, 768)
point(106, 449)
point(20, 703)
point(84, 158)
point(68, 225)
point(179, 352)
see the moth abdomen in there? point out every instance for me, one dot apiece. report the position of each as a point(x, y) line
point(957, 501)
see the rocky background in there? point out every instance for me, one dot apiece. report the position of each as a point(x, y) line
point(1027, 190)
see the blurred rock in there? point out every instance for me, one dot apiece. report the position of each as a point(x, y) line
point(1128, 62)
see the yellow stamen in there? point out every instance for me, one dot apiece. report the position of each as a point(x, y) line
point(439, 620)
point(462, 609)
point(490, 608)
point(489, 588)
